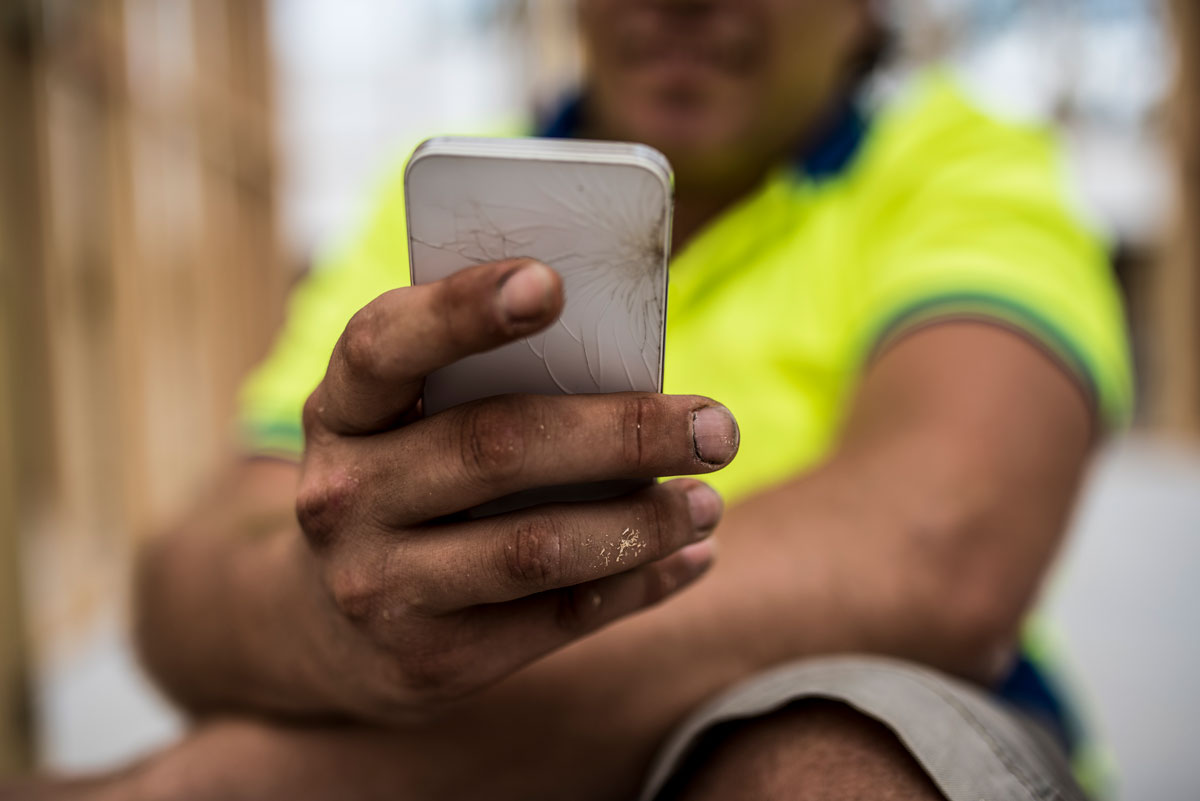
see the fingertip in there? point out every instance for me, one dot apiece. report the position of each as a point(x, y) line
point(699, 556)
point(715, 435)
point(678, 570)
point(528, 293)
point(705, 507)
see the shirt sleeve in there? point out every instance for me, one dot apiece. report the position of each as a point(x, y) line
point(272, 397)
point(981, 226)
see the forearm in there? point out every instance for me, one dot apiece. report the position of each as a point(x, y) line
point(207, 605)
point(228, 611)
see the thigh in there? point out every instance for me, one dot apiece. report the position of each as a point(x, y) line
point(967, 744)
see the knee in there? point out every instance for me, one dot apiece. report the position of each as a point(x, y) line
point(813, 749)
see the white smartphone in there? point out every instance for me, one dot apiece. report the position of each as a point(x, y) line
point(599, 213)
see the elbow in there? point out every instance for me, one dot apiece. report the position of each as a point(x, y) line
point(978, 629)
point(969, 588)
point(149, 609)
point(155, 631)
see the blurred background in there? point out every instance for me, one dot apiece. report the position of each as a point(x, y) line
point(168, 168)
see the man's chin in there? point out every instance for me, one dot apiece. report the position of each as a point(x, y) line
point(689, 141)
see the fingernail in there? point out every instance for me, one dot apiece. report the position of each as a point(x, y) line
point(525, 294)
point(704, 506)
point(714, 434)
point(699, 555)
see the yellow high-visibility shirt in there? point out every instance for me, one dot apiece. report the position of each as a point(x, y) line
point(775, 308)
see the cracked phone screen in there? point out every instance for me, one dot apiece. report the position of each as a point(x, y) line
point(605, 227)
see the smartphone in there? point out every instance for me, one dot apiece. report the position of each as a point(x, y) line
point(599, 213)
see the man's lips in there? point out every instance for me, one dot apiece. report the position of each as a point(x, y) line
point(675, 71)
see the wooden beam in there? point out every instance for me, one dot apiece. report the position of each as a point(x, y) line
point(242, 289)
point(23, 392)
point(1175, 366)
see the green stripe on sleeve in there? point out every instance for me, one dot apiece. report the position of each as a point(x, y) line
point(1111, 401)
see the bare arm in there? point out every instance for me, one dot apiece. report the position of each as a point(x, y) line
point(227, 585)
point(924, 537)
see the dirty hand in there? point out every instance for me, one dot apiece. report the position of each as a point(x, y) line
point(428, 607)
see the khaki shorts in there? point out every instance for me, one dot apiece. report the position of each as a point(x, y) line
point(973, 745)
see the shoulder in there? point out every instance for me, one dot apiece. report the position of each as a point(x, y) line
point(940, 168)
point(972, 215)
point(931, 119)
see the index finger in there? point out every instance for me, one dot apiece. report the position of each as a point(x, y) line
point(379, 363)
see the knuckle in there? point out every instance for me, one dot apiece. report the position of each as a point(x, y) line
point(535, 554)
point(392, 605)
point(360, 345)
point(493, 441)
point(322, 505)
point(659, 517)
point(355, 594)
point(313, 424)
point(411, 591)
point(419, 598)
point(310, 415)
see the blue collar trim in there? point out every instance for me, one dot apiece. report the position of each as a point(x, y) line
point(565, 120)
point(827, 157)
point(833, 150)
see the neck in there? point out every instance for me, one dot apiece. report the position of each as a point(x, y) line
point(696, 206)
point(700, 195)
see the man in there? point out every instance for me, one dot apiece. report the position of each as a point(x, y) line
point(921, 345)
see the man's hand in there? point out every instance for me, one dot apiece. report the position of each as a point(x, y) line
point(402, 603)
